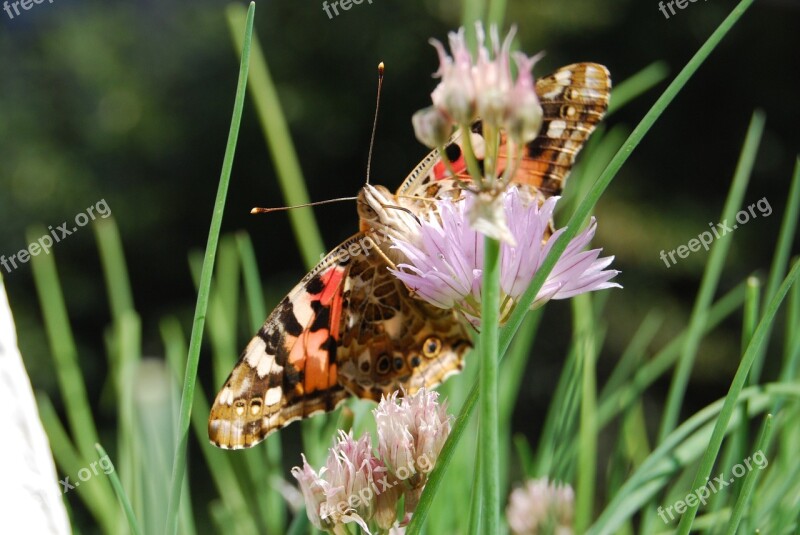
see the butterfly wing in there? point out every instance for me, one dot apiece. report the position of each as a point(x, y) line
point(574, 99)
point(390, 340)
point(289, 370)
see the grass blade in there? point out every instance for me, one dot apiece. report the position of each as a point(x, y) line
point(190, 376)
point(120, 492)
point(782, 250)
point(671, 454)
point(749, 481)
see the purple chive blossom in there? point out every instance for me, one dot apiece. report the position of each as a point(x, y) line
point(484, 87)
point(356, 485)
point(313, 488)
point(445, 262)
point(411, 433)
point(343, 490)
point(541, 507)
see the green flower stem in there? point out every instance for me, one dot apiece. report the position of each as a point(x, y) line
point(587, 433)
point(190, 376)
point(489, 436)
point(469, 152)
point(759, 339)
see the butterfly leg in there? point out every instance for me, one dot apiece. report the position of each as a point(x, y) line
point(380, 252)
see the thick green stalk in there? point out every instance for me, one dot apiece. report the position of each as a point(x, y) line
point(489, 437)
point(587, 433)
point(190, 377)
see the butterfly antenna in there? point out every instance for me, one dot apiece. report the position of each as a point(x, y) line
point(258, 210)
point(375, 121)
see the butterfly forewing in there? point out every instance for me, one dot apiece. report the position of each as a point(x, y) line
point(288, 371)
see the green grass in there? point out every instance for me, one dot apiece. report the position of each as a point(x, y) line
point(154, 488)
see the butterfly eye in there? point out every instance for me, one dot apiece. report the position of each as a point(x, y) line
point(399, 363)
point(431, 347)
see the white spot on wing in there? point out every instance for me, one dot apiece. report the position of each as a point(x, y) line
point(478, 145)
point(394, 326)
point(552, 94)
point(564, 77)
point(226, 396)
point(556, 129)
point(302, 309)
point(273, 396)
point(257, 356)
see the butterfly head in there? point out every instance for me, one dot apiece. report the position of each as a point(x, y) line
point(379, 210)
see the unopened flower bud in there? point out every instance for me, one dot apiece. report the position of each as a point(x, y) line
point(525, 120)
point(431, 127)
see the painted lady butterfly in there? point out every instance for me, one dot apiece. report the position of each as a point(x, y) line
point(350, 327)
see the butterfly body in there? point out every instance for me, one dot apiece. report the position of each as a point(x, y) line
point(349, 327)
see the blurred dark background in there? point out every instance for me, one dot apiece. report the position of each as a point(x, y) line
point(131, 103)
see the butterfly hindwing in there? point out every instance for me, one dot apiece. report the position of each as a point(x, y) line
point(391, 340)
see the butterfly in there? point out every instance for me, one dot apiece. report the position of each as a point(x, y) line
point(350, 327)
